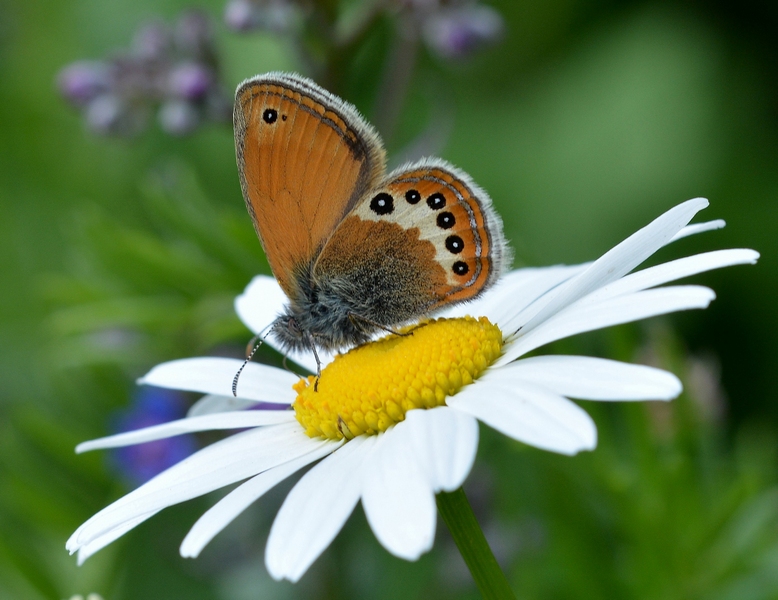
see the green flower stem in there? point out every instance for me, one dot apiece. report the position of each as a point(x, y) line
point(461, 522)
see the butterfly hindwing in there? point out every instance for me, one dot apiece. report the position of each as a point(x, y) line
point(434, 225)
point(305, 159)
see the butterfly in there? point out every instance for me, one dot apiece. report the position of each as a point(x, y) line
point(354, 249)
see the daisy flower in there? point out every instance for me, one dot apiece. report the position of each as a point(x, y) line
point(360, 427)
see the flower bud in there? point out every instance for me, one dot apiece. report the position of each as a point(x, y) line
point(104, 114)
point(189, 81)
point(239, 15)
point(456, 33)
point(152, 41)
point(268, 15)
point(178, 117)
point(193, 34)
point(82, 81)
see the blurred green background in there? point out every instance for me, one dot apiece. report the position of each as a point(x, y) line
point(585, 121)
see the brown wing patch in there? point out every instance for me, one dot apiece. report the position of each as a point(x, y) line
point(305, 158)
point(453, 214)
point(388, 270)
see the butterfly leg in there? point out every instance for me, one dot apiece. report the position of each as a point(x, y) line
point(288, 369)
point(309, 337)
point(344, 430)
point(354, 317)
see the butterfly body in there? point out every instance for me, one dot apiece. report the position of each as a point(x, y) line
point(354, 249)
point(345, 296)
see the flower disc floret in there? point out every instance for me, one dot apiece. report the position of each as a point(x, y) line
point(371, 387)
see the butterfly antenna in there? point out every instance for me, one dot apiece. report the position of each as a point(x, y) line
point(251, 350)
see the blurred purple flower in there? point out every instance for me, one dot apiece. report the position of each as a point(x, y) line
point(189, 81)
point(456, 32)
point(152, 41)
point(105, 114)
point(152, 406)
point(239, 15)
point(173, 71)
point(177, 117)
point(257, 15)
point(82, 81)
point(194, 34)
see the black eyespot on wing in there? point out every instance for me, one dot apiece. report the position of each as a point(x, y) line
point(446, 220)
point(436, 201)
point(283, 117)
point(412, 196)
point(454, 244)
point(382, 204)
point(270, 116)
point(460, 268)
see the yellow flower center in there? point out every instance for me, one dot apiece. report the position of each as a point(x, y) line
point(371, 387)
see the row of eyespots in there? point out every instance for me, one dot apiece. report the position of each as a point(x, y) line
point(383, 204)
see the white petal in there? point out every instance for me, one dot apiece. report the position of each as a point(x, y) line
point(223, 512)
point(260, 303)
point(446, 441)
point(513, 299)
point(512, 293)
point(698, 228)
point(590, 378)
point(212, 403)
point(397, 495)
point(231, 420)
point(529, 414)
point(503, 304)
point(431, 450)
point(618, 261)
point(102, 541)
point(213, 375)
point(229, 460)
point(315, 510)
point(612, 311)
point(674, 270)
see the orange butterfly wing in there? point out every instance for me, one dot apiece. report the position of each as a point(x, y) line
point(305, 158)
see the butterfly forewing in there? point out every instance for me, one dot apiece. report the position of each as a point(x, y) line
point(305, 159)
